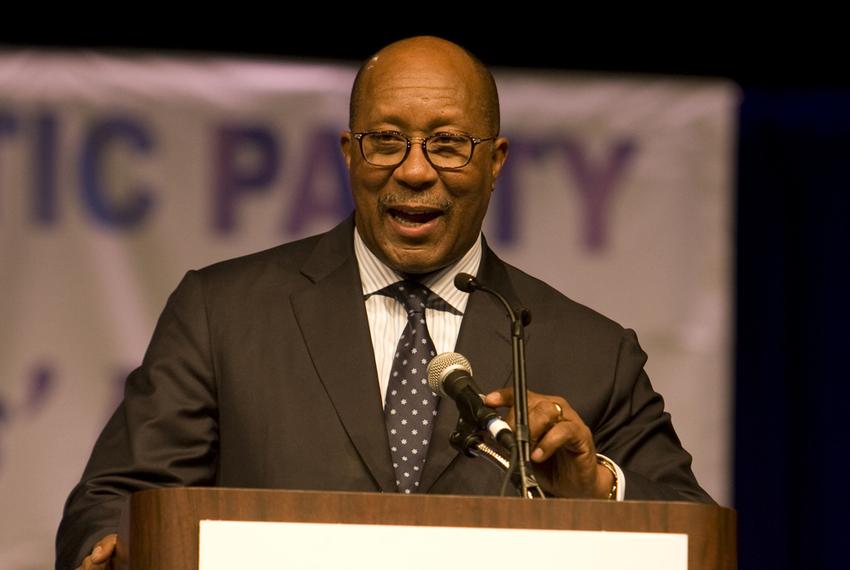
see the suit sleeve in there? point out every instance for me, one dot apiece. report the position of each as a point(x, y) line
point(164, 432)
point(638, 434)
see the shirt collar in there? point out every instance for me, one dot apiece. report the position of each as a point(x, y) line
point(375, 275)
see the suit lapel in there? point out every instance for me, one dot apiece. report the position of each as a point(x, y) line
point(332, 318)
point(484, 340)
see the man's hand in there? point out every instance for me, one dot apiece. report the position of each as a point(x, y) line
point(561, 446)
point(101, 555)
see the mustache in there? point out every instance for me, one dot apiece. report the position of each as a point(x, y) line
point(413, 200)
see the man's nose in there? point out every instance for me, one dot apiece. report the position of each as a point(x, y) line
point(416, 172)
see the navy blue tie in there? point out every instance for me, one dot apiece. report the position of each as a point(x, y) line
point(411, 406)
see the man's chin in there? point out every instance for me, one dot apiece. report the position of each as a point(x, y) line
point(417, 269)
point(414, 262)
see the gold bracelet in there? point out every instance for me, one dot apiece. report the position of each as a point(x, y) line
point(606, 463)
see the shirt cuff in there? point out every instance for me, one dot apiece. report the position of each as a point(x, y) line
point(621, 478)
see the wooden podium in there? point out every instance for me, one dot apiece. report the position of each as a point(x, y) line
point(160, 528)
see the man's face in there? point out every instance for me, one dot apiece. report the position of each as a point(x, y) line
point(415, 218)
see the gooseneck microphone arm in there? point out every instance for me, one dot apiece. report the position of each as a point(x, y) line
point(467, 283)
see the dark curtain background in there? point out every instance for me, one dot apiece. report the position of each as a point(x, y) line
point(793, 283)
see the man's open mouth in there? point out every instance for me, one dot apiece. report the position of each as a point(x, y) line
point(413, 216)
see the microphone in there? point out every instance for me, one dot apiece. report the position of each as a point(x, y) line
point(468, 283)
point(450, 374)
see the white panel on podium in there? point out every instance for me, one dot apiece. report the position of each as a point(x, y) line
point(315, 546)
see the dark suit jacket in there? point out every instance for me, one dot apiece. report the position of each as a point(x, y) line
point(261, 374)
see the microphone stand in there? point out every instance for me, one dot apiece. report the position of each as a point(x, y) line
point(468, 283)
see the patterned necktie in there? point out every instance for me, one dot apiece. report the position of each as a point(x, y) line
point(410, 405)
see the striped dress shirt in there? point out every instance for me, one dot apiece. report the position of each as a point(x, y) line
point(387, 318)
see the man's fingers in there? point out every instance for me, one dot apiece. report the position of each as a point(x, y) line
point(89, 565)
point(543, 411)
point(101, 555)
point(567, 435)
point(104, 548)
point(554, 424)
point(504, 398)
point(501, 398)
point(546, 412)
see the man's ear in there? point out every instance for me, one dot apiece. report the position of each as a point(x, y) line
point(500, 154)
point(346, 143)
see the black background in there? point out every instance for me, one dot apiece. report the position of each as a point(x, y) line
point(799, 52)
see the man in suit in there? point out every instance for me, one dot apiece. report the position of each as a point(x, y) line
point(273, 370)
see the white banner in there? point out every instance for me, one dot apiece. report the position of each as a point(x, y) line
point(119, 174)
point(224, 545)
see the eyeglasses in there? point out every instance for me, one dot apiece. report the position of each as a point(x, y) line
point(445, 151)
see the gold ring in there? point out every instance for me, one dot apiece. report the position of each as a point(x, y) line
point(558, 407)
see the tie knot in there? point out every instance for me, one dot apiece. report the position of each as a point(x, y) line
point(416, 297)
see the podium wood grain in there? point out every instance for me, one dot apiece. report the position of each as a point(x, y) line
point(160, 528)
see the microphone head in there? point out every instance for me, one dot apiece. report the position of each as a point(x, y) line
point(466, 282)
point(442, 364)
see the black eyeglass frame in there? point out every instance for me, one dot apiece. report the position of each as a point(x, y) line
point(423, 142)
